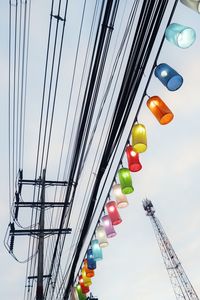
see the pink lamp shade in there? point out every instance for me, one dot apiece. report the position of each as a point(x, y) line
point(120, 198)
point(134, 164)
point(113, 212)
point(108, 226)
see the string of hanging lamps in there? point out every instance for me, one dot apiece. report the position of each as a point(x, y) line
point(183, 37)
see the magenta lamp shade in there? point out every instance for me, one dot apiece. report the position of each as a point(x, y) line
point(113, 212)
point(101, 236)
point(108, 226)
point(120, 198)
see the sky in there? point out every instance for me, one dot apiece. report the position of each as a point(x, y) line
point(132, 263)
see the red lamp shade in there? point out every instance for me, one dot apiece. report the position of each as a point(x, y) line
point(85, 289)
point(113, 212)
point(160, 110)
point(134, 164)
point(89, 272)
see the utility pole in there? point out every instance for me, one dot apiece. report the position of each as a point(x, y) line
point(41, 232)
point(40, 271)
point(181, 284)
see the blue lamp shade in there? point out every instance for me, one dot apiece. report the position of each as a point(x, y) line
point(180, 35)
point(91, 263)
point(193, 4)
point(96, 250)
point(169, 77)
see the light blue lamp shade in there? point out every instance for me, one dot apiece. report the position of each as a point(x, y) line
point(169, 77)
point(180, 35)
point(193, 4)
point(91, 263)
point(96, 250)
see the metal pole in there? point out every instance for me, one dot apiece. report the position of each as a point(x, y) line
point(40, 273)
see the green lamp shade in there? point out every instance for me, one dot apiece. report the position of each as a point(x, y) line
point(125, 181)
point(81, 296)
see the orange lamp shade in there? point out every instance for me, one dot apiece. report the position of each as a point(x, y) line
point(160, 110)
point(139, 138)
point(87, 280)
point(89, 272)
point(134, 164)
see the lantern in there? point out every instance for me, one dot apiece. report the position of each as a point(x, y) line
point(84, 288)
point(113, 212)
point(90, 260)
point(134, 164)
point(89, 272)
point(74, 294)
point(87, 280)
point(139, 138)
point(125, 181)
point(81, 296)
point(108, 226)
point(101, 236)
point(180, 35)
point(121, 199)
point(96, 250)
point(169, 77)
point(160, 110)
point(193, 4)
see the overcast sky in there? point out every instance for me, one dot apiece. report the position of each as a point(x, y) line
point(132, 264)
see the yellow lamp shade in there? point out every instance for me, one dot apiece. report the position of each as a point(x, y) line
point(139, 138)
point(87, 280)
point(160, 110)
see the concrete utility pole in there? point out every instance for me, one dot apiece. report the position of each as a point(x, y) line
point(40, 271)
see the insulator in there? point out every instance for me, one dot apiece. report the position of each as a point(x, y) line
point(12, 243)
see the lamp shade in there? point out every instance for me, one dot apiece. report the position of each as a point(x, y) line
point(87, 280)
point(113, 212)
point(180, 35)
point(108, 226)
point(73, 294)
point(193, 4)
point(90, 260)
point(169, 77)
point(96, 250)
point(125, 181)
point(81, 296)
point(101, 236)
point(89, 272)
point(139, 138)
point(84, 288)
point(134, 164)
point(160, 110)
point(121, 198)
